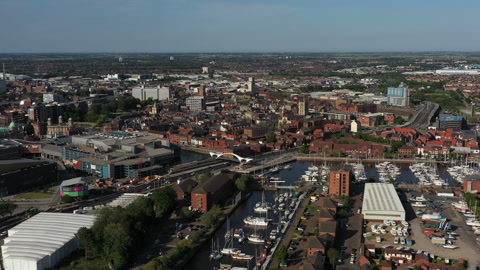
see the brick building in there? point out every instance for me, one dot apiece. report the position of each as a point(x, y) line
point(340, 180)
point(215, 190)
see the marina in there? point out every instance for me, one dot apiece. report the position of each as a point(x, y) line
point(257, 223)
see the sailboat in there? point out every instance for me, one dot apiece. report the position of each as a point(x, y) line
point(256, 237)
point(215, 254)
point(229, 249)
point(228, 234)
point(263, 206)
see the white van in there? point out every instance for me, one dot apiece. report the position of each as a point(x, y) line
point(379, 239)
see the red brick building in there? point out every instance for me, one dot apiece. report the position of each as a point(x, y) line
point(340, 180)
point(471, 183)
point(215, 190)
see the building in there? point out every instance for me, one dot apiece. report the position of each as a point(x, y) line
point(75, 187)
point(214, 191)
point(251, 87)
point(398, 96)
point(144, 93)
point(52, 97)
point(457, 123)
point(303, 107)
point(471, 183)
point(257, 131)
point(341, 177)
point(381, 202)
point(195, 103)
point(43, 241)
point(24, 174)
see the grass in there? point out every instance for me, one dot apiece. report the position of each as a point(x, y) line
point(53, 189)
point(34, 195)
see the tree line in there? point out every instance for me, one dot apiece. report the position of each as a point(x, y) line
point(117, 232)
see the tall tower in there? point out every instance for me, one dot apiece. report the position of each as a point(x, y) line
point(201, 90)
point(251, 85)
point(303, 107)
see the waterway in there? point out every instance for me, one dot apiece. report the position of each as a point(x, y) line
point(202, 260)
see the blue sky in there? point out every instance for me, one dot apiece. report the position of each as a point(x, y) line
point(238, 25)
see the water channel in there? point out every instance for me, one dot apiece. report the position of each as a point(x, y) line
point(202, 260)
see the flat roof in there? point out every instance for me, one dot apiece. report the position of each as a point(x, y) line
point(381, 197)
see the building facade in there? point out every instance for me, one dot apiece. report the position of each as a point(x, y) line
point(398, 96)
point(340, 180)
point(195, 103)
point(144, 93)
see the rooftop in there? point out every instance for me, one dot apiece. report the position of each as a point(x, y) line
point(381, 197)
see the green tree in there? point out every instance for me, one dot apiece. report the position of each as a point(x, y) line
point(243, 181)
point(29, 130)
point(304, 149)
point(205, 176)
point(210, 217)
point(87, 240)
point(282, 254)
point(7, 207)
point(271, 138)
point(164, 200)
point(186, 213)
point(67, 199)
point(332, 255)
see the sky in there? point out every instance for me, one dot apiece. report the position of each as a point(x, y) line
point(181, 26)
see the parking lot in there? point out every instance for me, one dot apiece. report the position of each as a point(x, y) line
point(467, 247)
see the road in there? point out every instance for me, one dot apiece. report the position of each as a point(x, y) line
point(422, 118)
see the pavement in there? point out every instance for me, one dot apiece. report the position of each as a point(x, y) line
point(351, 236)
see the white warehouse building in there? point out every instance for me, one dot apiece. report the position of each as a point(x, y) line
point(381, 201)
point(42, 241)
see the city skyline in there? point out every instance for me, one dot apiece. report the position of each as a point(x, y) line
point(54, 26)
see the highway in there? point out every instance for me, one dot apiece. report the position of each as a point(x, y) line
point(423, 116)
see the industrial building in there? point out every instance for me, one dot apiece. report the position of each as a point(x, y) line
point(42, 241)
point(381, 202)
point(23, 174)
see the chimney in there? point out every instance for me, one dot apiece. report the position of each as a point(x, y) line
point(49, 121)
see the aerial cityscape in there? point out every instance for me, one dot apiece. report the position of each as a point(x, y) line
point(257, 135)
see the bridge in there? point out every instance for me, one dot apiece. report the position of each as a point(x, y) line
point(241, 159)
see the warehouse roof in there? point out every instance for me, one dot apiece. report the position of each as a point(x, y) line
point(42, 235)
point(381, 197)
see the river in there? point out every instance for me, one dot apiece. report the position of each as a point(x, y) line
point(202, 261)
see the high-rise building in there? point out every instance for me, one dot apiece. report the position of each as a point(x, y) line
point(201, 90)
point(251, 85)
point(303, 107)
point(340, 180)
point(398, 96)
point(195, 103)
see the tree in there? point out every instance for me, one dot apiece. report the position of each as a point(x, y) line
point(282, 254)
point(243, 181)
point(304, 149)
point(185, 213)
point(67, 199)
point(87, 240)
point(271, 138)
point(7, 207)
point(210, 217)
point(205, 176)
point(164, 200)
point(29, 130)
point(332, 255)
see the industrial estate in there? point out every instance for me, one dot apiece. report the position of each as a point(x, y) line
point(240, 161)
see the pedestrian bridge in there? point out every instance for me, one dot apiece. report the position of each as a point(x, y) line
point(241, 159)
